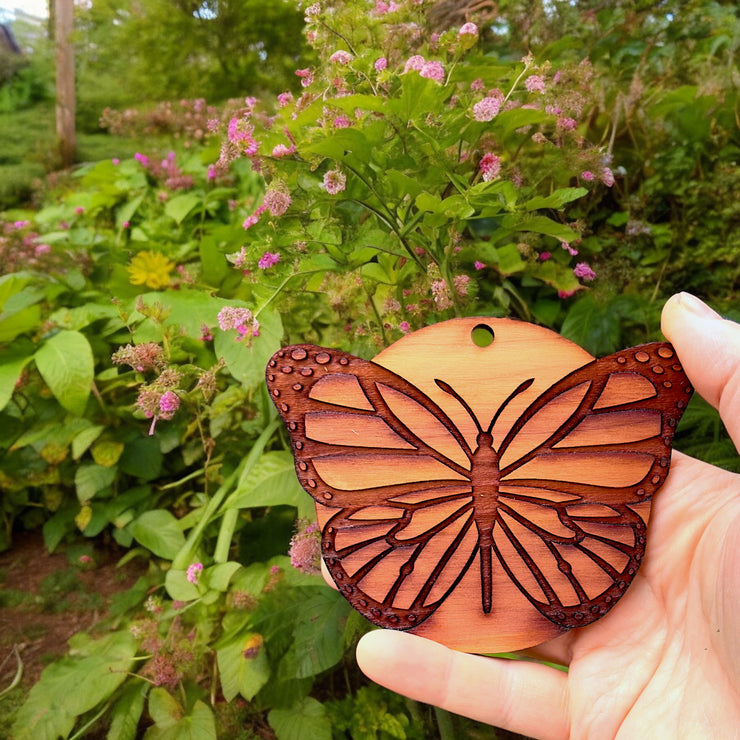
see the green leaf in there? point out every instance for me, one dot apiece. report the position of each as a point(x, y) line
point(271, 482)
point(246, 359)
point(556, 199)
point(509, 259)
point(52, 705)
point(219, 576)
point(158, 531)
point(180, 206)
point(171, 722)
point(142, 458)
point(67, 366)
point(179, 587)
point(593, 326)
point(91, 479)
point(14, 359)
point(540, 225)
point(19, 322)
point(306, 718)
point(318, 638)
point(127, 710)
point(242, 673)
point(84, 439)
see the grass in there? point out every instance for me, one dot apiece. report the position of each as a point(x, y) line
point(29, 151)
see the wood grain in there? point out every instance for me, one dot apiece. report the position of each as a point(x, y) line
point(488, 498)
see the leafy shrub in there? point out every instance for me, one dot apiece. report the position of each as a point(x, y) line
point(418, 175)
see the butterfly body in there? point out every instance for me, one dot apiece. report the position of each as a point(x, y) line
point(520, 530)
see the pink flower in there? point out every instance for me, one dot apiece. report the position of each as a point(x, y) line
point(486, 109)
point(341, 57)
point(477, 85)
point(607, 177)
point(566, 293)
point(490, 167)
point(587, 175)
point(168, 405)
point(566, 123)
point(250, 221)
point(479, 265)
point(341, 122)
point(468, 29)
point(306, 76)
point(414, 63)
point(381, 64)
point(335, 182)
point(41, 249)
point(281, 150)
point(572, 251)
point(142, 159)
point(433, 71)
point(193, 573)
point(441, 295)
point(461, 283)
point(277, 202)
point(535, 83)
point(268, 259)
point(212, 172)
point(285, 98)
point(232, 317)
point(404, 327)
point(305, 547)
point(116, 161)
point(140, 357)
point(583, 271)
point(544, 256)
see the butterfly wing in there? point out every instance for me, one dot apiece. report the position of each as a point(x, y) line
point(396, 468)
point(577, 472)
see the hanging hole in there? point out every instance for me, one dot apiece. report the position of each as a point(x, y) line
point(482, 335)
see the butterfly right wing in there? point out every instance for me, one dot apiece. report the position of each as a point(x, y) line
point(373, 446)
point(573, 501)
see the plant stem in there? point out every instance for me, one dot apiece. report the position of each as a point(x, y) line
point(444, 724)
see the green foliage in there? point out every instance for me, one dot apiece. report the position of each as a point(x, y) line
point(414, 178)
point(178, 48)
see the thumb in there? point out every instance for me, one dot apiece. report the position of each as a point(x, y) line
point(709, 349)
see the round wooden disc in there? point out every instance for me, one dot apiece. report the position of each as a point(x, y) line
point(519, 516)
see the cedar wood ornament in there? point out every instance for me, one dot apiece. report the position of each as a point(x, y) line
point(487, 497)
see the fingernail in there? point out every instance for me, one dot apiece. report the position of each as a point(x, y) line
point(697, 306)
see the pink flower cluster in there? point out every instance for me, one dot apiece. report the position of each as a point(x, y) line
point(305, 547)
point(489, 107)
point(167, 171)
point(268, 259)
point(431, 70)
point(583, 270)
point(141, 357)
point(193, 573)
point(490, 166)
point(335, 182)
point(239, 318)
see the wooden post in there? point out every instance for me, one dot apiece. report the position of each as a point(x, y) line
point(65, 108)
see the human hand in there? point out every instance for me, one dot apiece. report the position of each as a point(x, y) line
point(665, 662)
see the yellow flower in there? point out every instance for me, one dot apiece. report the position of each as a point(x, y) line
point(151, 269)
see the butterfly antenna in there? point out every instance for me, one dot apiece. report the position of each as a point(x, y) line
point(447, 388)
point(523, 387)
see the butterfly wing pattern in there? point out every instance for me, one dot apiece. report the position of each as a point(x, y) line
point(558, 502)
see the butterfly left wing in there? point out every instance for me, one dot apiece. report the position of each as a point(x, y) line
point(373, 446)
point(578, 470)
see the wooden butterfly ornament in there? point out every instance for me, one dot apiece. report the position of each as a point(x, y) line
point(489, 495)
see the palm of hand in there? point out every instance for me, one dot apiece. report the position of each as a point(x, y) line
point(665, 662)
point(671, 646)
